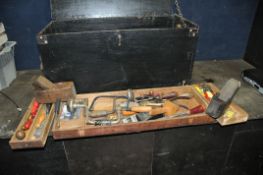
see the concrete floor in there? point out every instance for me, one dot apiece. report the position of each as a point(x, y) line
point(21, 91)
point(219, 72)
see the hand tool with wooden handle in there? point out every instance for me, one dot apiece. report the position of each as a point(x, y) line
point(43, 83)
point(34, 109)
point(169, 95)
point(33, 113)
point(157, 111)
point(196, 110)
point(221, 101)
point(141, 108)
point(185, 96)
point(41, 122)
point(169, 108)
point(127, 113)
point(40, 119)
point(57, 112)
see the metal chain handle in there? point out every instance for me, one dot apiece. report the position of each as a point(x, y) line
point(179, 13)
point(178, 9)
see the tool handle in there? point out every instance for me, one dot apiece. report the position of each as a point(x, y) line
point(41, 118)
point(141, 108)
point(57, 110)
point(127, 113)
point(43, 83)
point(170, 95)
point(57, 106)
point(34, 109)
point(196, 110)
point(27, 124)
point(157, 111)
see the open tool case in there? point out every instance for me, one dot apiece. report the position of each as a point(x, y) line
point(77, 127)
point(109, 45)
point(105, 45)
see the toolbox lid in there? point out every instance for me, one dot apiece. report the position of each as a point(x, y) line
point(81, 9)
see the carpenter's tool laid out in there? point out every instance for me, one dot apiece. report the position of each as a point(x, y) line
point(33, 130)
point(21, 133)
point(142, 108)
point(221, 100)
point(126, 111)
point(34, 127)
point(218, 103)
point(48, 92)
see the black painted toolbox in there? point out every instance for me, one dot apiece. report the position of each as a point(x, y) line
point(105, 45)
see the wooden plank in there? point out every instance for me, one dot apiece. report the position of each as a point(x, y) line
point(30, 141)
point(131, 127)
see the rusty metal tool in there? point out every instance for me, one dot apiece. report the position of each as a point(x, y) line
point(73, 104)
point(129, 97)
point(57, 111)
point(102, 122)
point(221, 100)
point(41, 122)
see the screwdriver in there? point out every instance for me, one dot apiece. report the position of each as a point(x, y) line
point(33, 113)
point(34, 109)
point(41, 118)
point(57, 112)
point(40, 124)
point(196, 110)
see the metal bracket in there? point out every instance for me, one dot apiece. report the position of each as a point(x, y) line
point(119, 37)
point(193, 32)
point(42, 39)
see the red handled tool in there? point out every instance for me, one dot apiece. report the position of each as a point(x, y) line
point(34, 109)
point(196, 110)
point(33, 113)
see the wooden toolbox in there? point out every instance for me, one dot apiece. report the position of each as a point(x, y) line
point(78, 127)
point(36, 133)
point(108, 38)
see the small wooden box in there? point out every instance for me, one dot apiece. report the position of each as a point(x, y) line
point(30, 141)
point(64, 91)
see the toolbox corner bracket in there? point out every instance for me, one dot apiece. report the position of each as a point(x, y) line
point(42, 39)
